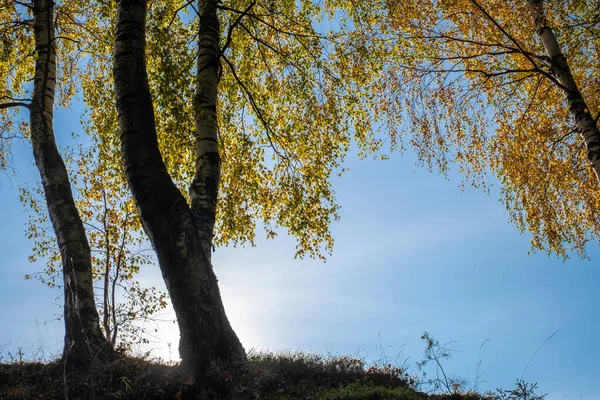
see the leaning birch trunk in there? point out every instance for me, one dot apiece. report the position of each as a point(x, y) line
point(585, 123)
point(206, 335)
point(205, 186)
point(84, 341)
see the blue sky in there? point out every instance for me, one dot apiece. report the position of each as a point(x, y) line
point(413, 253)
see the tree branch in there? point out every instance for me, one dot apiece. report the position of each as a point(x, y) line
point(516, 43)
point(28, 5)
point(497, 25)
point(187, 3)
point(14, 104)
point(255, 108)
point(233, 26)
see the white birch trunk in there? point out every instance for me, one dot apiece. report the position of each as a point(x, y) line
point(585, 123)
point(84, 341)
point(205, 186)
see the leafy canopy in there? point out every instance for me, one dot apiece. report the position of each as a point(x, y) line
point(478, 89)
point(296, 89)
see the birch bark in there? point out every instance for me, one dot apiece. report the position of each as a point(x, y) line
point(205, 332)
point(205, 186)
point(84, 341)
point(586, 125)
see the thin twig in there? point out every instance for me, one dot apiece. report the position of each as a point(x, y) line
point(254, 107)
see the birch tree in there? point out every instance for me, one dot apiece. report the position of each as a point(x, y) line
point(586, 125)
point(205, 332)
point(30, 50)
point(291, 99)
point(118, 250)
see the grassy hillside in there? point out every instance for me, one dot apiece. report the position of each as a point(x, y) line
point(267, 376)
